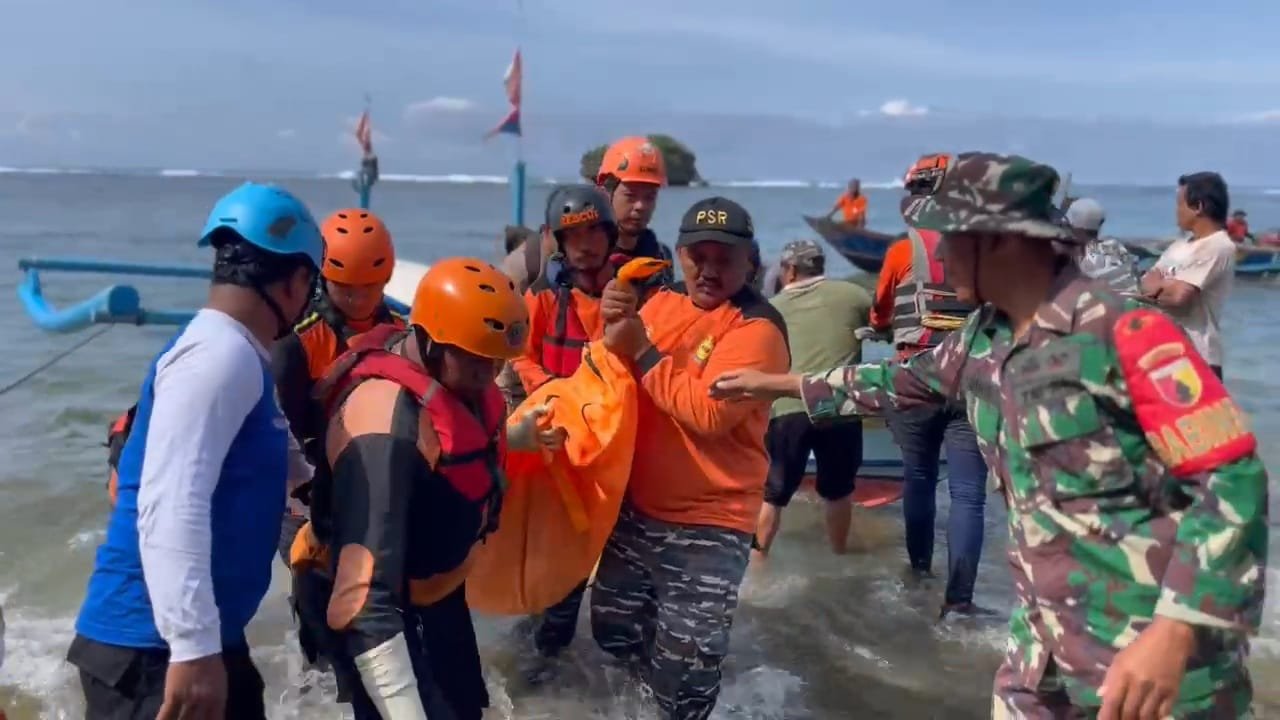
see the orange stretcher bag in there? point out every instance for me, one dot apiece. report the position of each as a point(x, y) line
point(560, 508)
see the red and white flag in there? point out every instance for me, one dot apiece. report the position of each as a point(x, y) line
point(511, 81)
point(364, 133)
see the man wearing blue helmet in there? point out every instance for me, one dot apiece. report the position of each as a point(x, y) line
point(201, 485)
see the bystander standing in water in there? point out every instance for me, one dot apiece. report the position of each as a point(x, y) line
point(1194, 275)
point(918, 309)
point(822, 318)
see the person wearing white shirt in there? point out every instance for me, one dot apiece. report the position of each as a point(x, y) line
point(1194, 275)
point(201, 485)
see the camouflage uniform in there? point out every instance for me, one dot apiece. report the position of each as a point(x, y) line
point(1103, 535)
point(664, 598)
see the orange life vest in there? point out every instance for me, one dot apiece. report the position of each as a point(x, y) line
point(565, 338)
point(471, 448)
point(117, 434)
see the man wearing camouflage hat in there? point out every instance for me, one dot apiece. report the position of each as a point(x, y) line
point(822, 318)
point(1137, 502)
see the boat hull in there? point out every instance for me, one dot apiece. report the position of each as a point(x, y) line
point(1251, 262)
point(865, 249)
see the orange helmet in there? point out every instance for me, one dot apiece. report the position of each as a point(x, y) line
point(633, 159)
point(468, 303)
point(357, 249)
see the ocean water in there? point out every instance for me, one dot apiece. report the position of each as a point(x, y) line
point(815, 637)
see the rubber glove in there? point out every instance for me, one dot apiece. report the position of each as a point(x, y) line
point(525, 435)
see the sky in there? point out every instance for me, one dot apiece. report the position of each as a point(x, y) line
point(1134, 91)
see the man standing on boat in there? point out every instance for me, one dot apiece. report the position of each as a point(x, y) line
point(202, 482)
point(1238, 228)
point(1102, 258)
point(1194, 275)
point(917, 308)
point(852, 205)
point(1137, 503)
point(822, 318)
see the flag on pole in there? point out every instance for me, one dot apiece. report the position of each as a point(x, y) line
point(510, 125)
point(364, 133)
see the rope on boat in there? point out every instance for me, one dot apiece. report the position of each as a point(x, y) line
point(55, 359)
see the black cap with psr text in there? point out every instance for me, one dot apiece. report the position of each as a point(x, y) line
point(716, 219)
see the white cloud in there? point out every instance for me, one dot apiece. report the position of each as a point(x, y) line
point(900, 107)
point(437, 106)
point(286, 134)
point(46, 127)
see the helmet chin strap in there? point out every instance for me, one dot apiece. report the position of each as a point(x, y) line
point(283, 326)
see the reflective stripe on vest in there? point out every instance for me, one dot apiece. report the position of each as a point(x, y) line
point(470, 448)
point(925, 299)
point(562, 345)
point(323, 309)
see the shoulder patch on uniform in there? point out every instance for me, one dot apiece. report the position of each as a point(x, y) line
point(754, 306)
point(1191, 422)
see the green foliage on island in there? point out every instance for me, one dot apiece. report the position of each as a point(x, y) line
point(682, 168)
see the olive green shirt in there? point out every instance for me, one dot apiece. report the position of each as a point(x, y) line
point(822, 316)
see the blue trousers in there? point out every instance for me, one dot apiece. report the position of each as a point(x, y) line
point(922, 433)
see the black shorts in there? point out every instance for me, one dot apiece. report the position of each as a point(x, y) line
point(128, 683)
point(836, 448)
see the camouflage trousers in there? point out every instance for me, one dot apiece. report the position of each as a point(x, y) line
point(1052, 699)
point(664, 598)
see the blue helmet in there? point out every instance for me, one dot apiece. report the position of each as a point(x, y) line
point(270, 217)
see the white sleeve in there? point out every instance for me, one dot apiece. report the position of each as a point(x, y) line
point(203, 392)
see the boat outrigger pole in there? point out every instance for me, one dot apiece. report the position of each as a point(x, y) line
point(365, 178)
point(368, 175)
point(114, 304)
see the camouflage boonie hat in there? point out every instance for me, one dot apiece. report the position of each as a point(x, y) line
point(984, 192)
point(802, 253)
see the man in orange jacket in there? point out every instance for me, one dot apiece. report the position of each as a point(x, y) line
point(667, 585)
point(564, 315)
